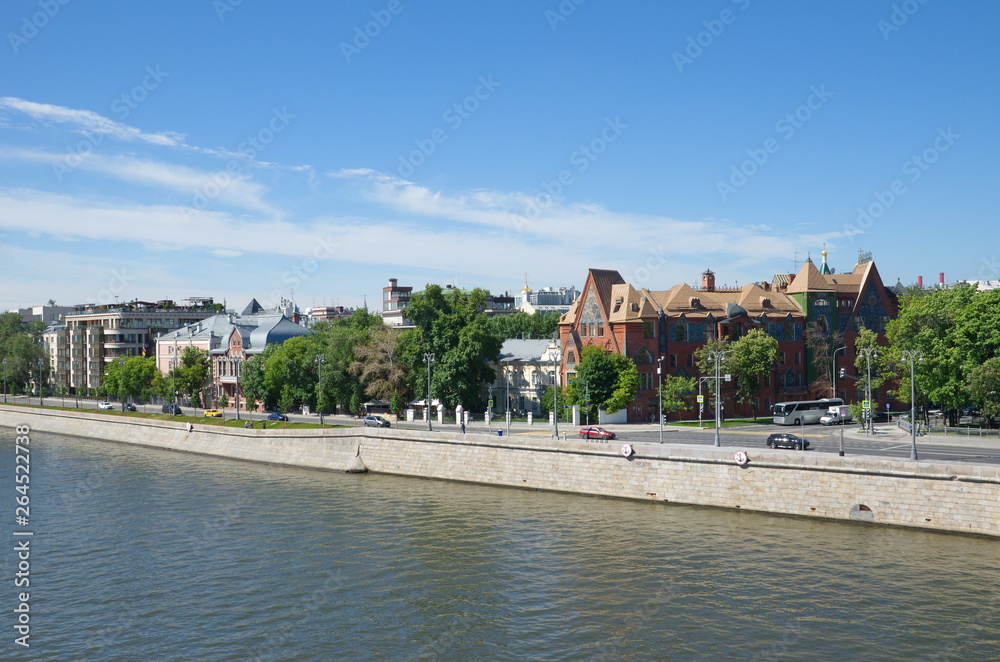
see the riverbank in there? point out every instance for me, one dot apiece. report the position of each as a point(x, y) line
point(961, 498)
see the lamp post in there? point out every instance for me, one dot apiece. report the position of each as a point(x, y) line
point(868, 353)
point(659, 392)
point(555, 354)
point(506, 395)
point(489, 409)
point(121, 380)
point(41, 363)
point(5, 380)
point(913, 355)
point(428, 359)
point(320, 360)
point(833, 375)
point(236, 369)
point(717, 356)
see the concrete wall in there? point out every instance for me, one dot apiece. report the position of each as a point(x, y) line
point(945, 497)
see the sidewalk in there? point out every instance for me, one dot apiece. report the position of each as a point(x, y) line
point(889, 432)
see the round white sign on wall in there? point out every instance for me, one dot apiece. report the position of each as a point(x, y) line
point(627, 450)
point(741, 458)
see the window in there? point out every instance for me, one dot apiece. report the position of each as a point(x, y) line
point(647, 329)
point(571, 357)
point(643, 357)
point(767, 381)
point(645, 381)
point(681, 331)
point(690, 360)
point(673, 360)
point(600, 330)
point(781, 359)
point(798, 358)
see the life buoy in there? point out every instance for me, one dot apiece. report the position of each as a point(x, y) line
point(627, 450)
point(741, 458)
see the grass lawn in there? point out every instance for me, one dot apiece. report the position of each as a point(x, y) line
point(196, 420)
point(729, 422)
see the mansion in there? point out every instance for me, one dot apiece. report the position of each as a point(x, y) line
point(668, 326)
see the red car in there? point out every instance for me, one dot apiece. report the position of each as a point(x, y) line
point(596, 433)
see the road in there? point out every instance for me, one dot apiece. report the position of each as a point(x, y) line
point(890, 442)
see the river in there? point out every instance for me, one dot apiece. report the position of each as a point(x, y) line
point(139, 554)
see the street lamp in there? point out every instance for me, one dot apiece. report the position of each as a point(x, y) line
point(913, 355)
point(236, 368)
point(868, 353)
point(5, 380)
point(659, 391)
point(121, 385)
point(506, 395)
point(41, 363)
point(833, 375)
point(319, 366)
point(555, 355)
point(717, 356)
point(428, 359)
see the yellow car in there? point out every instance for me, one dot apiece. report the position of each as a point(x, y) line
point(213, 413)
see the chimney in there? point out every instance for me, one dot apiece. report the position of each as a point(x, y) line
point(920, 281)
point(941, 279)
point(708, 280)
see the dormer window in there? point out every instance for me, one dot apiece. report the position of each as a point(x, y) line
point(618, 305)
point(695, 302)
point(635, 307)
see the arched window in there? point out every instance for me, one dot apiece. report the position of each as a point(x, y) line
point(571, 357)
point(643, 357)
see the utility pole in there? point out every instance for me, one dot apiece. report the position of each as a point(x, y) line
point(659, 392)
point(428, 359)
point(717, 356)
point(833, 375)
point(320, 360)
point(913, 355)
point(868, 353)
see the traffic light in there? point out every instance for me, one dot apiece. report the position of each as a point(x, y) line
point(843, 372)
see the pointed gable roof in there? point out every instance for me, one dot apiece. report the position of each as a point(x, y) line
point(809, 279)
point(603, 280)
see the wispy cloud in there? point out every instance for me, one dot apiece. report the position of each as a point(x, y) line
point(86, 121)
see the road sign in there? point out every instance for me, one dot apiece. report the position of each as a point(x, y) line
point(866, 404)
point(491, 403)
point(701, 398)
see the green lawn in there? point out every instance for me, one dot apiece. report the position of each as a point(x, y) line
point(196, 420)
point(729, 422)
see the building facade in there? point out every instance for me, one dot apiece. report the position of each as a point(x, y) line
point(525, 369)
point(93, 336)
point(667, 327)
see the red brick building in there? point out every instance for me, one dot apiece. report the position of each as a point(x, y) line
point(650, 326)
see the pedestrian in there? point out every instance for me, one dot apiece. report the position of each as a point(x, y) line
point(463, 426)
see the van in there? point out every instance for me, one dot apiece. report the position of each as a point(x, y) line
point(839, 415)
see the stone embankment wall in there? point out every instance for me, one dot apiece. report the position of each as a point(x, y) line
point(962, 498)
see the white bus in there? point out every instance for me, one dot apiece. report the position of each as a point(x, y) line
point(803, 411)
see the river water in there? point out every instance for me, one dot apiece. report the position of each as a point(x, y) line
point(140, 554)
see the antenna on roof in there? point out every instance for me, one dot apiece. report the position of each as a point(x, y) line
point(795, 263)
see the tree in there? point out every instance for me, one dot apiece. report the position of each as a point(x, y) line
point(192, 373)
point(131, 377)
point(523, 325)
point(754, 356)
point(223, 401)
point(984, 388)
point(252, 380)
point(286, 401)
point(453, 326)
point(675, 390)
point(706, 364)
point(21, 345)
point(379, 366)
point(610, 379)
point(822, 347)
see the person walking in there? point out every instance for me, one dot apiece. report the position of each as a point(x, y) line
point(463, 426)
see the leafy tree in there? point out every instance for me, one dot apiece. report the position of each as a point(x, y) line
point(252, 379)
point(984, 387)
point(822, 347)
point(223, 401)
point(546, 402)
point(378, 364)
point(131, 377)
point(611, 380)
point(192, 373)
point(675, 390)
point(454, 327)
point(754, 356)
point(286, 401)
point(524, 325)
point(21, 346)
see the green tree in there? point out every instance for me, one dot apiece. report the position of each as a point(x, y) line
point(610, 379)
point(131, 377)
point(984, 388)
point(675, 392)
point(223, 401)
point(21, 346)
point(706, 364)
point(453, 326)
point(523, 325)
point(547, 398)
point(753, 356)
point(252, 379)
point(286, 401)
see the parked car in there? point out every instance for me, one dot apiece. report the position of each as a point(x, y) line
point(276, 416)
point(785, 440)
point(377, 421)
point(213, 413)
point(105, 405)
point(129, 406)
point(596, 433)
point(173, 410)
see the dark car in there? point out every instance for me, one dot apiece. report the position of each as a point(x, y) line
point(377, 421)
point(173, 410)
point(596, 433)
point(129, 406)
point(785, 440)
point(276, 416)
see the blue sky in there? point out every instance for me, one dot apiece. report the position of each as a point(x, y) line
point(243, 149)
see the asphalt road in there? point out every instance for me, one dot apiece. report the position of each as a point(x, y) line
point(891, 442)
